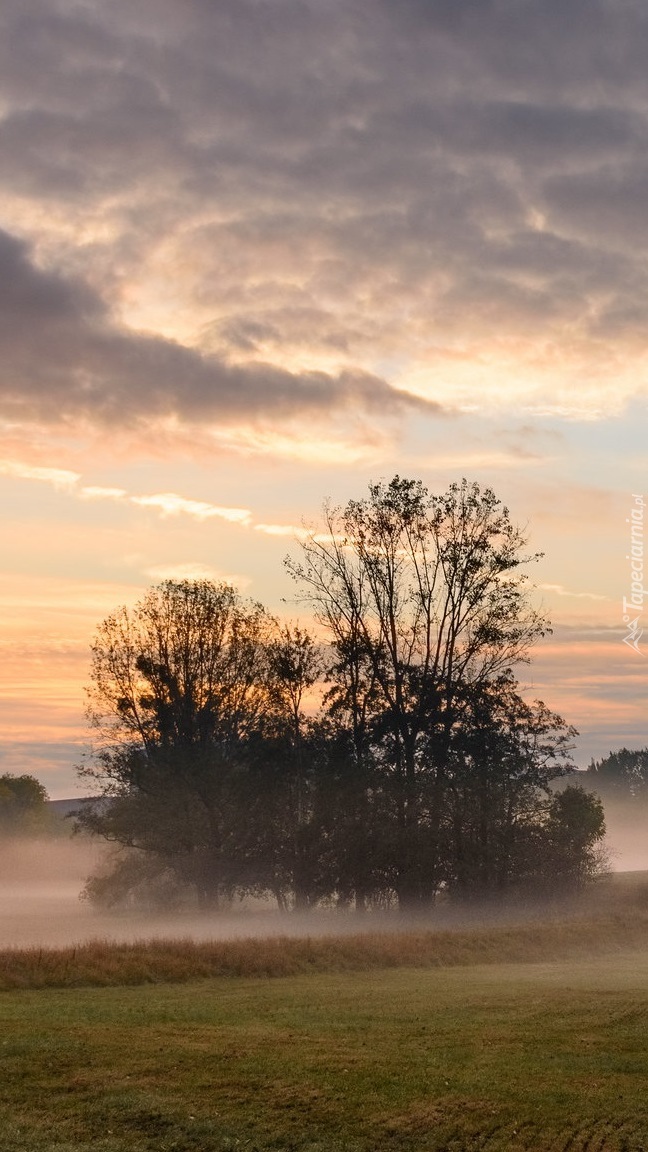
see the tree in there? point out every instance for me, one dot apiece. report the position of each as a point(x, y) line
point(423, 597)
point(572, 843)
point(505, 755)
point(295, 664)
point(179, 697)
point(23, 805)
point(620, 776)
point(186, 668)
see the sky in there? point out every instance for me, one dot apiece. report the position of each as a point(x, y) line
point(255, 254)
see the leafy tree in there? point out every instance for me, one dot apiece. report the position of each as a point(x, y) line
point(573, 836)
point(186, 668)
point(505, 754)
point(179, 698)
point(23, 805)
point(129, 879)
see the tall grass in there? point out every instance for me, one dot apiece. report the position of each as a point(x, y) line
point(101, 963)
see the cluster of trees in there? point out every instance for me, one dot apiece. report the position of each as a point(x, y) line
point(386, 759)
point(621, 777)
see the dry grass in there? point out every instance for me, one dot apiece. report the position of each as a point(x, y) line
point(102, 964)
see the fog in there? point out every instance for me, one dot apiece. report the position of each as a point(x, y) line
point(41, 883)
point(40, 887)
point(627, 837)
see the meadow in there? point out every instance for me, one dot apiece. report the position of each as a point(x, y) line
point(500, 1056)
point(528, 1036)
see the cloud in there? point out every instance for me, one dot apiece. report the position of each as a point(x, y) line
point(257, 213)
point(560, 591)
point(65, 358)
point(290, 530)
point(96, 492)
point(297, 533)
point(59, 477)
point(170, 504)
point(166, 503)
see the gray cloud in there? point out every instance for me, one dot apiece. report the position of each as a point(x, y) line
point(357, 181)
point(64, 358)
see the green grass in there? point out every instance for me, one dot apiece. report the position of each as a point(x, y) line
point(495, 1057)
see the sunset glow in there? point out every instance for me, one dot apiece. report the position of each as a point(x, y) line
point(258, 255)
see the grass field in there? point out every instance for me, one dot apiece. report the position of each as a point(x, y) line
point(493, 1057)
point(529, 1035)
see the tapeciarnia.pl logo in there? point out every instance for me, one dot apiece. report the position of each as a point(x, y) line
point(633, 605)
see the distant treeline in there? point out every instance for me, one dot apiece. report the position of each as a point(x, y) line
point(384, 758)
point(620, 777)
